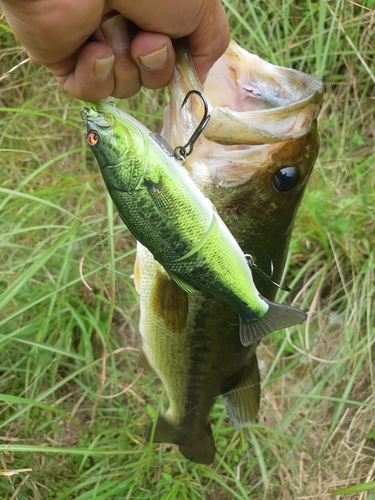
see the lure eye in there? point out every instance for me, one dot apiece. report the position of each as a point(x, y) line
point(93, 137)
point(286, 179)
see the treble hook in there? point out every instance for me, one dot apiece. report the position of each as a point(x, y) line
point(83, 113)
point(181, 152)
point(254, 267)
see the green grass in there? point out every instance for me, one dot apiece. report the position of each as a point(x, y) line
point(74, 406)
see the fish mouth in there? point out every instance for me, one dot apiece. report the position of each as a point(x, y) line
point(255, 102)
point(256, 109)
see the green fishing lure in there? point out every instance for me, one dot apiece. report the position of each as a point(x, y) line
point(167, 212)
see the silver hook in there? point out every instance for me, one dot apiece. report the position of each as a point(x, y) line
point(181, 152)
point(254, 267)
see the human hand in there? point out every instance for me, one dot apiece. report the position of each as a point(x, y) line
point(94, 50)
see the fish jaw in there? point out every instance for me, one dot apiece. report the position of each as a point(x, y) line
point(257, 102)
point(254, 106)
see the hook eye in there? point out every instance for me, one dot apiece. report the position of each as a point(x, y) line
point(83, 114)
point(181, 152)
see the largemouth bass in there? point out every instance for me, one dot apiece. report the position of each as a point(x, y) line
point(167, 212)
point(253, 162)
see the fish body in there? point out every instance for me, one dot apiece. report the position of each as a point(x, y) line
point(194, 365)
point(167, 212)
point(255, 174)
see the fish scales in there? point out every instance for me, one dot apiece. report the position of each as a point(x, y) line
point(203, 357)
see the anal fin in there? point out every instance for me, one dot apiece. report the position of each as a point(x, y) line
point(242, 399)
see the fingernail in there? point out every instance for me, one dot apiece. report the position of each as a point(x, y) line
point(103, 68)
point(115, 31)
point(155, 60)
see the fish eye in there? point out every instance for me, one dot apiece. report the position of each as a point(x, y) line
point(93, 138)
point(286, 179)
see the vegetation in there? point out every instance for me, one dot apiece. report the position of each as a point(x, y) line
point(73, 405)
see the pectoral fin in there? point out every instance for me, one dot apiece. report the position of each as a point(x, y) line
point(242, 400)
point(170, 302)
point(198, 447)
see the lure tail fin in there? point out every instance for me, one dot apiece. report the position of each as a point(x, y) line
point(277, 317)
point(198, 447)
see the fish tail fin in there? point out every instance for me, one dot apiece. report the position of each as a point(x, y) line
point(277, 317)
point(200, 448)
point(197, 447)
